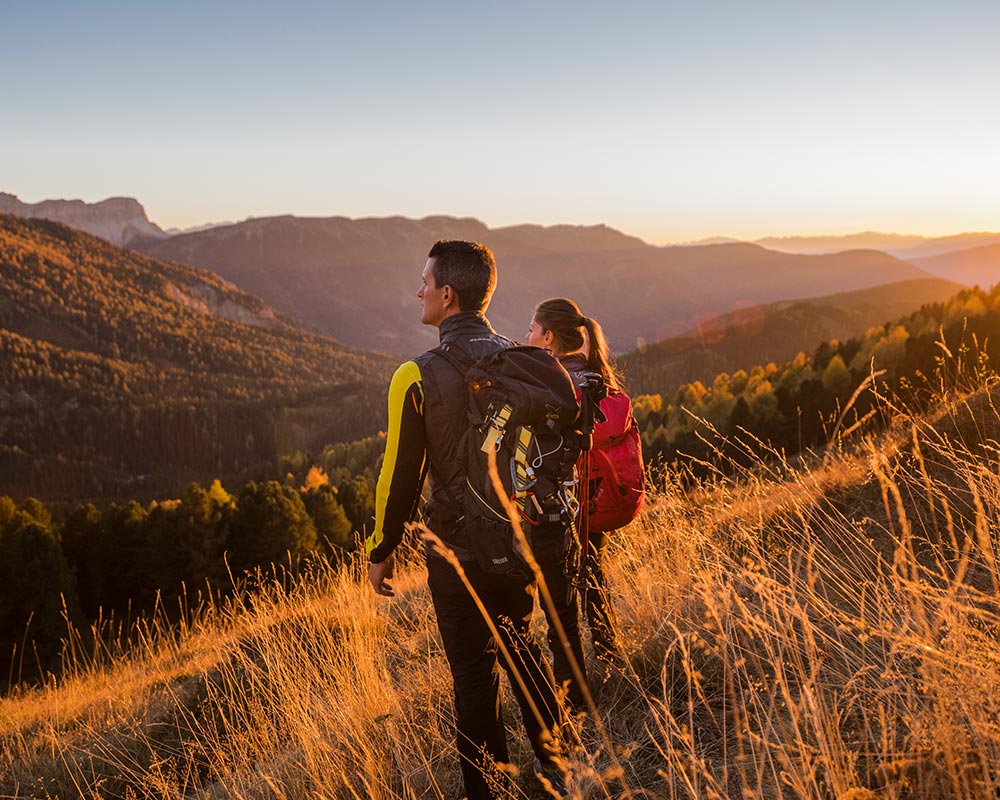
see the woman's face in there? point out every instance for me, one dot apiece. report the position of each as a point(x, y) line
point(539, 337)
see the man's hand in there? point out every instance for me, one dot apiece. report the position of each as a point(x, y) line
point(379, 574)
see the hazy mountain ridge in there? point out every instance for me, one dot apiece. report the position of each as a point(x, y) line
point(979, 266)
point(773, 332)
point(947, 244)
point(123, 219)
point(902, 246)
point(653, 293)
point(195, 228)
point(114, 364)
point(817, 245)
point(563, 238)
point(118, 219)
point(357, 279)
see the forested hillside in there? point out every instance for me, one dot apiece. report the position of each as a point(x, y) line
point(121, 375)
point(807, 400)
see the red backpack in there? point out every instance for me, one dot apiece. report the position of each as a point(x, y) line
point(617, 478)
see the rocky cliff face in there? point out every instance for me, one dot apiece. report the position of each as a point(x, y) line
point(120, 220)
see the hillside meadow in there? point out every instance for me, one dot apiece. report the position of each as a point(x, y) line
point(823, 628)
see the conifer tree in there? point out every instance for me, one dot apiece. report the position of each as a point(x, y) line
point(270, 522)
point(836, 376)
point(36, 585)
point(332, 525)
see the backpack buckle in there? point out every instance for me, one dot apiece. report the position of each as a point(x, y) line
point(494, 436)
point(498, 425)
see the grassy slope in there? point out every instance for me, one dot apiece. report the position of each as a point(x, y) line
point(822, 629)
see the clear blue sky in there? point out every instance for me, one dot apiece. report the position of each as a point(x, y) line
point(673, 121)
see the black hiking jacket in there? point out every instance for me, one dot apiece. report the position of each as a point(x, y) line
point(427, 418)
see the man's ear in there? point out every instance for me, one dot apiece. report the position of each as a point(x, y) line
point(449, 297)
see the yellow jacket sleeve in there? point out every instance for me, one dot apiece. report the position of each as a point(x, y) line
point(399, 481)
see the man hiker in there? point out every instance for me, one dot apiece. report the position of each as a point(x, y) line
point(427, 418)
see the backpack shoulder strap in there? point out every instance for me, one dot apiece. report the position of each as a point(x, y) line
point(461, 364)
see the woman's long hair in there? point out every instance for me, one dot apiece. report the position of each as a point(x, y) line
point(576, 333)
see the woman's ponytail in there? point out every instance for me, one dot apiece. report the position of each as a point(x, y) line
point(598, 356)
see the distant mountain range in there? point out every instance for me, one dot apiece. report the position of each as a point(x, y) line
point(773, 332)
point(121, 219)
point(121, 373)
point(118, 219)
point(196, 228)
point(901, 246)
point(357, 279)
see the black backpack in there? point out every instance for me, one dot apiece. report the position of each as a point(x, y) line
point(522, 404)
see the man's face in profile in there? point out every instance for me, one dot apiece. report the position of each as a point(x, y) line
point(431, 296)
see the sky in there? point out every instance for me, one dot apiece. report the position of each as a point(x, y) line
point(672, 121)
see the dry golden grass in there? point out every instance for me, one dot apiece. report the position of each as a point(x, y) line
point(823, 629)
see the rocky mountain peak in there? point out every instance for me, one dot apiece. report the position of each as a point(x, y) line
point(120, 220)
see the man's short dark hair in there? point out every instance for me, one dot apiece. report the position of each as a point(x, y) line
point(467, 267)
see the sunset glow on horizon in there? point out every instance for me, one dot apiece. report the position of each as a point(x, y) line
point(668, 122)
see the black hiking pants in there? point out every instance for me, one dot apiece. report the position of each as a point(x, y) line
point(549, 554)
point(599, 611)
point(474, 658)
point(597, 604)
